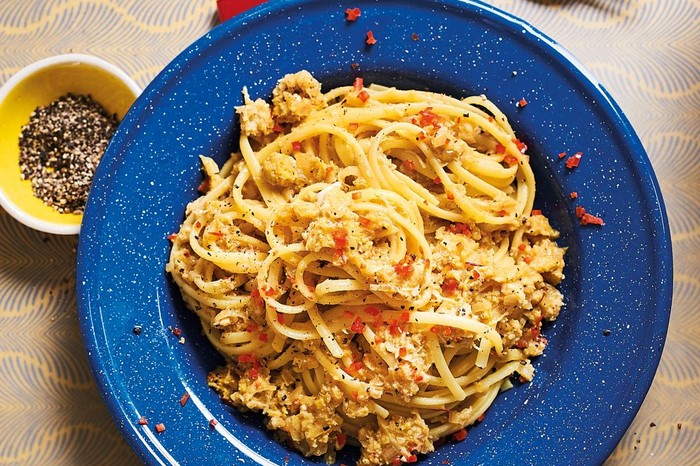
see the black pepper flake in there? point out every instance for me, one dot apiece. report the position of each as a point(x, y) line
point(652, 424)
point(60, 148)
point(137, 329)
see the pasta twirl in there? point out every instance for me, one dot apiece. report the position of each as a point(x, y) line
point(370, 265)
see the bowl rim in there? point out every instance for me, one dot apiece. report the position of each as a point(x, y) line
point(29, 70)
point(92, 318)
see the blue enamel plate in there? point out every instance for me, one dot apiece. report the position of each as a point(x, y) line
point(604, 348)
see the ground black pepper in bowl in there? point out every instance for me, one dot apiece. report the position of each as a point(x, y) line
point(61, 147)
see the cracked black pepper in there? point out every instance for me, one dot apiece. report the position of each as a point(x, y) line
point(61, 147)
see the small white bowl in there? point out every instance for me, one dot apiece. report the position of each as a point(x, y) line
point(39, 84)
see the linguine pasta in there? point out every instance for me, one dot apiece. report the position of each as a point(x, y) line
point(370, 265)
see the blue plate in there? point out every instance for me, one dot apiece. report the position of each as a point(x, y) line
point(603, 350)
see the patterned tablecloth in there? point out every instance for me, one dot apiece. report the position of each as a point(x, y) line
point(646, 53)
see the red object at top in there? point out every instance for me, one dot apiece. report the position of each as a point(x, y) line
point(230, 8)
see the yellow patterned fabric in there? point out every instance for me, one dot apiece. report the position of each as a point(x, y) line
point(645, 52)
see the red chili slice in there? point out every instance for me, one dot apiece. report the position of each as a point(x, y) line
point(358, 84)
point(510, 160)
point(340, 238)
point(522, 147)
point(370, 38)
point(574, 161)
point(352, 13)
point(450, 285)
point(357, 325)
point(404, 269)
point(246, 358)
point(355, 366)
point(395, 330)
point(589, 219)
point(461, 228)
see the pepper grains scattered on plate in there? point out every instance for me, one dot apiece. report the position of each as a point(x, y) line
point(61, 147)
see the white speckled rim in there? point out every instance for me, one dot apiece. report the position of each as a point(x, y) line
point(69, 58)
